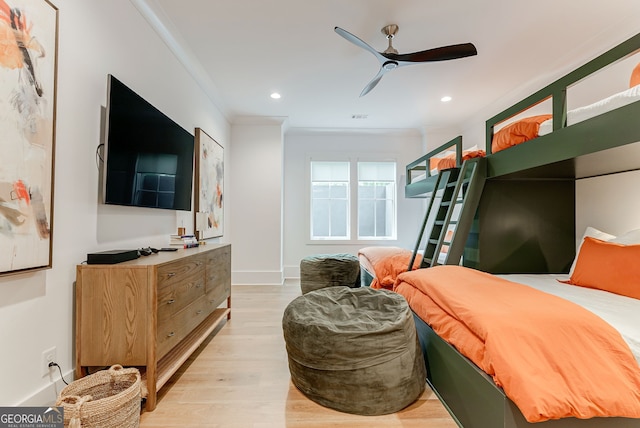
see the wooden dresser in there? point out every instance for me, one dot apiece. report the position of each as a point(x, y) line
point(152, 312)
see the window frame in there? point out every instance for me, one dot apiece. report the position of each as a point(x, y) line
point(353, 238)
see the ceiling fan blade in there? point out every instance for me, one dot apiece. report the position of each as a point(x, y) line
point(358, 42)
point(438, 54)
point(372, 84)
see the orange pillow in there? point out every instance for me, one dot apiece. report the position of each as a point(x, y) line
point(517, 132)
point(450, 161)
point(635, 76)
point(608, 266)
point(435, 160)
point(433, 163)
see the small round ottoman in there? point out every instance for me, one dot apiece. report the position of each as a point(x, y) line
point(329, 270)
point(354, 350)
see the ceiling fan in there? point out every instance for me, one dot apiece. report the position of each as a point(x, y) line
point(390, 59)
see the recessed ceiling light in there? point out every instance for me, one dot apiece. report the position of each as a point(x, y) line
point(275, 96)
point(445, 99)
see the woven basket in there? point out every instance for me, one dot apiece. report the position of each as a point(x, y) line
point(106, 399)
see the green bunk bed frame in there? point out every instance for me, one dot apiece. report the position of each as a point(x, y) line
point(420, 180)
point(530, 188)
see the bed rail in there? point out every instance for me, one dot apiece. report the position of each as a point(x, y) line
point(420, 180)
point(547, 147)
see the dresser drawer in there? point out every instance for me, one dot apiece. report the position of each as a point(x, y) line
point(216, 296)
point(175, 297)
point(178, 271)
point(218, 269)
point(172, 330)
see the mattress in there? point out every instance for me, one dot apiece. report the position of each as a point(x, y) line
point(621, 312)
point(587, 112)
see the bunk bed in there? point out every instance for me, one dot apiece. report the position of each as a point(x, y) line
point(525, 226)
point(381, 265)
point(423, 172)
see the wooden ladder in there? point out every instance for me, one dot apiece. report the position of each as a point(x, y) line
point(450, 212)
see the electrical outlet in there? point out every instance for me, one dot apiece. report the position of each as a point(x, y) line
point(48, 356)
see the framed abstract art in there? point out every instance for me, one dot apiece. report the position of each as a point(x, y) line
point(28, 71)
point(209, 186)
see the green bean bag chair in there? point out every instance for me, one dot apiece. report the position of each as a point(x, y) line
point(354, 350)
point(328, 270)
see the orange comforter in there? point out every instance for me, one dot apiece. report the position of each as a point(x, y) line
point(553, 358)
point(386, 263)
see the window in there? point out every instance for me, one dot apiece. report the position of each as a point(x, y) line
point(329, 200)
point(376, 200)
point(334, 213)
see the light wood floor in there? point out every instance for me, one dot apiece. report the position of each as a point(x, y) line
point(240, 378)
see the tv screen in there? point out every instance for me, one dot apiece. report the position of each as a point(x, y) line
point(148, 159)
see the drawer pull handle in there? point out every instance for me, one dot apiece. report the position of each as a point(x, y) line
point(198, 263)
point(199, 285)
point(171, 301)
point(199, 312)
point(171, 334)
point(171, 274)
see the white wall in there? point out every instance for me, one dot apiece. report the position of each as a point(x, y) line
point(256, 174)
point(36, 309)
point(608, 203)
point(403, 146)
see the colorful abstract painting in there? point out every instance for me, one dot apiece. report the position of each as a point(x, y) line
point(209, 213)
point(28, 52)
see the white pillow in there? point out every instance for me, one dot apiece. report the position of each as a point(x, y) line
point(593, 233)
point(629, 238)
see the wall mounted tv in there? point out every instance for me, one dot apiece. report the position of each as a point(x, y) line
point(148, 158)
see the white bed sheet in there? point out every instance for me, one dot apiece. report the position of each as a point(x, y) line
point(587, 112)
point(622, 313)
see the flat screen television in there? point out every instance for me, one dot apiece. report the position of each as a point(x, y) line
point(148, 158)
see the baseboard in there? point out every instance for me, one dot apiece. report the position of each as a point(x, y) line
point(292, 272)
point(257, 278)
point(47, 395)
